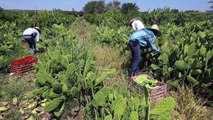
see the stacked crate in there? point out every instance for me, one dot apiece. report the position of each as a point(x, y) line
point(23, 65)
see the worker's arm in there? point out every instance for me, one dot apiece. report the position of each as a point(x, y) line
point(134, 26)
point(37, 36)
point(152, 45)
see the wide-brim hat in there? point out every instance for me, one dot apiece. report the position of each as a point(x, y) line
point(155, 29)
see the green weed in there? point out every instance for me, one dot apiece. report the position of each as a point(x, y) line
point(14, 87)
point(13, 116)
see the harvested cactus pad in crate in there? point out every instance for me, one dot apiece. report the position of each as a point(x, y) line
point(157, 90)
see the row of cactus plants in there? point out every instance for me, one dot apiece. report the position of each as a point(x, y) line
point(10, 45)
point(66, 73)
point(187, 54)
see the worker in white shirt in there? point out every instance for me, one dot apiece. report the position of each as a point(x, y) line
point(31, 35)
point(136, 24)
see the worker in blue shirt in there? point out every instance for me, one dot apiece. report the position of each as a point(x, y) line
point(142, 38)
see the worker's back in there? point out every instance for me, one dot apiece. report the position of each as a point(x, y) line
point(30, 31)
point(137, 25)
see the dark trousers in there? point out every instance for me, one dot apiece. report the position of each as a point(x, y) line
point(136, 57)
point(31, 41)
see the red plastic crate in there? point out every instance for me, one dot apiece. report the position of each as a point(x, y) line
point(23, 65)
point(156, 94)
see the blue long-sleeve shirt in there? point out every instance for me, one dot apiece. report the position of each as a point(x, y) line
point(145, 38)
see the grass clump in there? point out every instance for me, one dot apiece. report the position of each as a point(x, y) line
point(108, 57)
point(188, 107)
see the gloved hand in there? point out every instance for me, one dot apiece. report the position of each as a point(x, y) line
point(156, 53)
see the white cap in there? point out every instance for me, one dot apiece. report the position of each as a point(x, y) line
point(37, 28)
